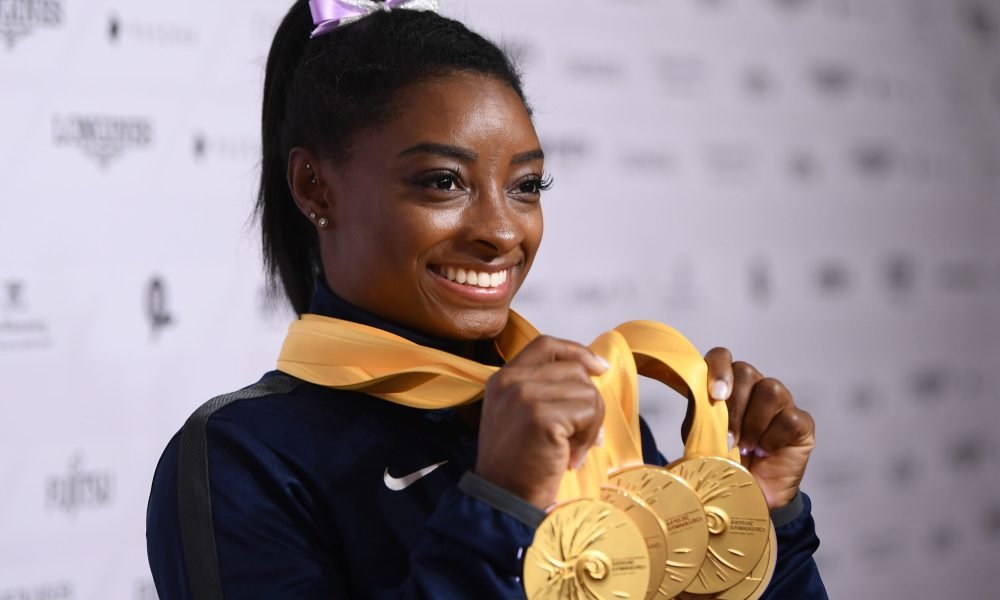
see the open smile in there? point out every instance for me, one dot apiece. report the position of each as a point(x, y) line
point(475, 284)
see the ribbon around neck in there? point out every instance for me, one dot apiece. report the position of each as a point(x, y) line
point(350, 356)
point(329, 14)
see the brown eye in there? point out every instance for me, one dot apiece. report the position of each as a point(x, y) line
point(445, 183)
point(533, 186)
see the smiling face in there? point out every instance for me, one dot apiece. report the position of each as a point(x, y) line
point(435, 218)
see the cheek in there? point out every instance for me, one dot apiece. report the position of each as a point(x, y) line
point(413, 234)
point(533, 227)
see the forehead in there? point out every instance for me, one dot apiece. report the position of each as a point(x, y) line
point(466, 109)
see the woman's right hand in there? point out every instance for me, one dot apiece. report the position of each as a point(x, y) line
point(541, 413)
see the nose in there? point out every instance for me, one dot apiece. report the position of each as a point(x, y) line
point(493, 225)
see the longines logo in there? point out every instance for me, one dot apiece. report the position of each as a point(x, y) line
point(102, 137)
point(55, 590)
point(148, 32)
point(231, 148)
point(79, 489)
point(19, 329)
point(19, 18)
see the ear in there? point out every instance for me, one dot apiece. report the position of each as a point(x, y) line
point(306, 183)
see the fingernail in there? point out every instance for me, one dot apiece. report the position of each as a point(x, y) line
point(731, 439)
point(579, 462)
point(744, 451)
point(760, 453)
point(719, 390)
point(603, 362)
point(600, 437)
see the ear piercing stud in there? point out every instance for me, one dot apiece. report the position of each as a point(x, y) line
point(309, 168)
point(312, 216)
point(323, 222)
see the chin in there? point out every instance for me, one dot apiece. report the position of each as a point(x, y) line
point(479, 325)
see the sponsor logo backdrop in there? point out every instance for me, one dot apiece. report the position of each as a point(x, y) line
point(813, 183)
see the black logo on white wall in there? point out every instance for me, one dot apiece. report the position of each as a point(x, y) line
point(51, 590)
point(20, 328)
point(156, 306)
point(102, 137)
point(150, 32)
point(79, 489)
point(19, 18)
point(207, 146)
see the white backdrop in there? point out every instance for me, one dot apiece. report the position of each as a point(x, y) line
point(812, 183)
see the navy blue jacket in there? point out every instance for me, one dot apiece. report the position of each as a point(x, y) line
point(282, 490)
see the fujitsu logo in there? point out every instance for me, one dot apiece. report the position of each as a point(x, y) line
point(102, 137)
point(18, 18)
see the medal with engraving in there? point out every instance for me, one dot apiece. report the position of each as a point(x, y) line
point(649, 524)
point(587, 548)
point(680, 509)
point(753, 585)
point(737, 517)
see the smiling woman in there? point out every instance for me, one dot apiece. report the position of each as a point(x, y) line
point(416, 430)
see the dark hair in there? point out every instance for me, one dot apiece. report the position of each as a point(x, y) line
point(319, 93)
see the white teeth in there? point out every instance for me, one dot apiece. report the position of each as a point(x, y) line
point(474, 278)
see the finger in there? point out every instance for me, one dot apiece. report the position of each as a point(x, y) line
point(790, 427)
point(562, 370)
point(720, 373)
point(576, 412)
point(768, 398)
point(745, 376)
point(545, 349)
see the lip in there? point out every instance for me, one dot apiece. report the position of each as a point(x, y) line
point(479, 295)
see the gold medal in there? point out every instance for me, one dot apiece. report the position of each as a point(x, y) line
point(650, 526)
point(737, 517)
point(753, 585)
point(680, 509)
point(590, 549)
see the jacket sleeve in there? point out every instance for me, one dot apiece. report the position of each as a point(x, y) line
point(796, 576)
point(266, 543)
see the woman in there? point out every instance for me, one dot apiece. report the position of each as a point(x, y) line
point(400, 190)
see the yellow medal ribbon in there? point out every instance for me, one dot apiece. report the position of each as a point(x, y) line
point(349, 356)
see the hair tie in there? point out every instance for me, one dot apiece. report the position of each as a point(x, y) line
point(330, 14)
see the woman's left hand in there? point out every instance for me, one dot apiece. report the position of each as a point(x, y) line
point(775, 437)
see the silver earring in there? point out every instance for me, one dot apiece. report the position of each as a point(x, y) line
point(323, 222)
point(309, 168)
point(312, 216)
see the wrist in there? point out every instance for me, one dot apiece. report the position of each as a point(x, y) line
point(528, 494)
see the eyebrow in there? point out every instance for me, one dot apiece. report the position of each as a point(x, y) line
point(528, 156)
point(466, 154)
point(440, 150)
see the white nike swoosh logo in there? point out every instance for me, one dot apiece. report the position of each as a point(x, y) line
point(398, 484)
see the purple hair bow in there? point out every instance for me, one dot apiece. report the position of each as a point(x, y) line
point(330, 14)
